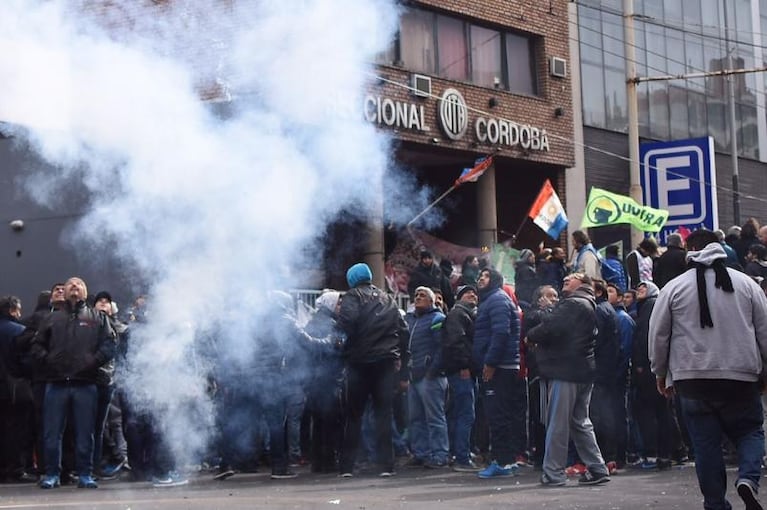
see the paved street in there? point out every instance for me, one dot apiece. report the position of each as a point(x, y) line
point(419, 489)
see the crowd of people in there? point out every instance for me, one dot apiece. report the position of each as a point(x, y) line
point(579, 367)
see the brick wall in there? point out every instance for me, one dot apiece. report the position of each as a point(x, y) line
point(548, 22)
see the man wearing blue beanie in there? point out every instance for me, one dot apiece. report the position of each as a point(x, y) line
point(375, 349)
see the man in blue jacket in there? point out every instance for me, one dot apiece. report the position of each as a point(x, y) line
point(496, 358)
point(428, 385)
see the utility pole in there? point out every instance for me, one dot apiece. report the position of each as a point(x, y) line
point(733, 128)
point(635, 189)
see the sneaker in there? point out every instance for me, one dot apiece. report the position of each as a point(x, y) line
point(548, 482)
point(170, 479)
point(386, 474)
point(468, 467)
point(283, 475)
point(612, 467)
point(522, 461)
point(347, 474)
point(747, 493)
point(25, 477)
point(86, 482)
point(649, 463)
point(494, 470)
point(576, 469)
point(224, 473)
point(589, 478)
point(50, 482)
point(663, 464)
point(432, 464)
point(109, 472)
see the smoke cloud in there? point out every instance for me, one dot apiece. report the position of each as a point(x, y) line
point(210, 211)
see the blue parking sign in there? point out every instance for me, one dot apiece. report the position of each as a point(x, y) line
point(680, 177)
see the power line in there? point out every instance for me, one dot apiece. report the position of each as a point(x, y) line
point(383, 79)
point(681, 27)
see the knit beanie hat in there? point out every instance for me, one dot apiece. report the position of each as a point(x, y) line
point(463, 289)
point(358, 273)
point(328, 300)
point(525, 254)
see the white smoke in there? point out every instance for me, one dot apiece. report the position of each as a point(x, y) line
point(207, 210)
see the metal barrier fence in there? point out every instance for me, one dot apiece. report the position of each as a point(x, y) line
point(308, 298)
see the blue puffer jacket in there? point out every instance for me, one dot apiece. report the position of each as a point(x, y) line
point(496, 329)
point(425, 343)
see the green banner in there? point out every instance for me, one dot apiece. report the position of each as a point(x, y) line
point(605, 208)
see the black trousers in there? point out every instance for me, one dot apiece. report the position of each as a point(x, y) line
point(375, 380)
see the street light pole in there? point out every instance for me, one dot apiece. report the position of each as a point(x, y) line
point(635, 189)
point(733, 128)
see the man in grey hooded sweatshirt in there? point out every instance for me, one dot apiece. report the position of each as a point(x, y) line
point(708, 343)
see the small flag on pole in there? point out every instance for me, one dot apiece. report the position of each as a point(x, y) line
point(472, 174)
point(547, 211)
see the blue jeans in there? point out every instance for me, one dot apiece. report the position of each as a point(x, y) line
point(428, 424)
point(63, 400)
point(741, 422)
point(460, 416)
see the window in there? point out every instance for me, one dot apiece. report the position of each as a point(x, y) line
point(521, 68)
point(486, 57)
point(451, 48)
point(417, 41)
point(451, 43)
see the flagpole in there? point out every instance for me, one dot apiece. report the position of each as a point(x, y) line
point(516, 234)
point(431, 205)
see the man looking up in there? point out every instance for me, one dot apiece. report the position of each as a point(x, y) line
point(71, 344)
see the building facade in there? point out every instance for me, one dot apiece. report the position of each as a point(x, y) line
point(675, 37)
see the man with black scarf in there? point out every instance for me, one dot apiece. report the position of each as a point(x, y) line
point(708, 343)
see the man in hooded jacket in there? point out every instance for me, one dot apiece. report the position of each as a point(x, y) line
point(496, 357)
point(708, 344)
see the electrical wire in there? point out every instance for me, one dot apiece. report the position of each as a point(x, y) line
point(382, 79)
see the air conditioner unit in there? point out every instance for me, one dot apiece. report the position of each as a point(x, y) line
point(558, 67)
point(421, 85)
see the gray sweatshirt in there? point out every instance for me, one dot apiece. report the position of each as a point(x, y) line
point(734, 349)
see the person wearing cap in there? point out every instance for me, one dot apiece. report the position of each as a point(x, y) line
point(106, 386)
point(428, 274)
point(324, 390)
point(708, 345)
point(427, 425)
point(375, 351)
point(525, 278)
point(71, 344)
point(458, 336)
point(652, 411)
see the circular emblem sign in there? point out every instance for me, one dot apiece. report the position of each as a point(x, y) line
point(603, 210)
point(453, 114)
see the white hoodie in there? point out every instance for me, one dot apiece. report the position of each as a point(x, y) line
point(734, 349)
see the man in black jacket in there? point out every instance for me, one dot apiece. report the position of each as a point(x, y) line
point(71, 345)
point(375, 349)
point(458, 338)
point(428, 274)
point(672, 263)
point(564, 344)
